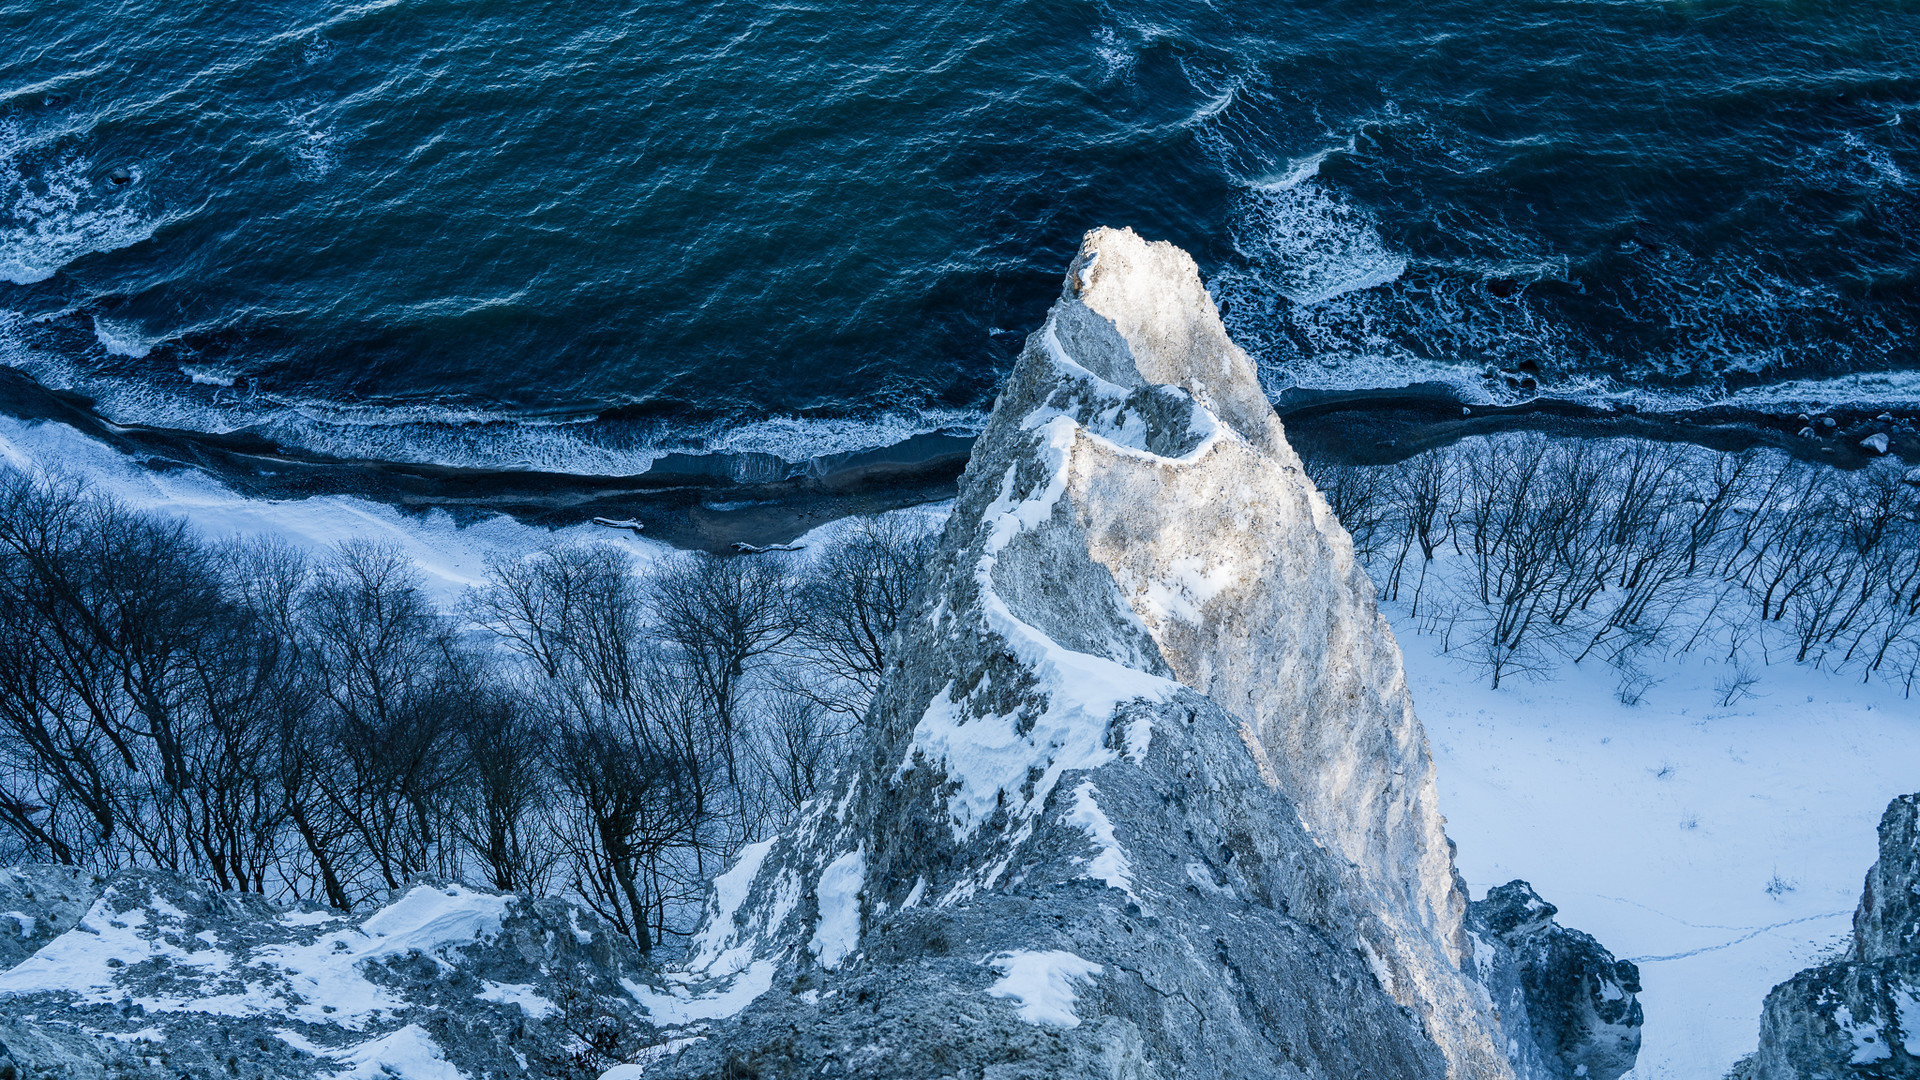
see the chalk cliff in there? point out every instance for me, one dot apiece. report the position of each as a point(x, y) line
point(1143, 793)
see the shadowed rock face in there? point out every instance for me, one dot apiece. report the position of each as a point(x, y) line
point(1569, 1005)
point(1887, 923)
point(1858, 1017)
point(1143, 793)
point(38, 904)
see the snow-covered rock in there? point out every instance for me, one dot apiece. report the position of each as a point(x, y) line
point(39, 903)
point(1859, 1016)
point(1568, 1004)
point(161, 978)
point(1142, 793)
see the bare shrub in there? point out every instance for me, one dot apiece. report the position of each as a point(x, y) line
point(1735, 686)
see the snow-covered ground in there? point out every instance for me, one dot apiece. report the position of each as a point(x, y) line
point(1659, 828)
point(450, 556)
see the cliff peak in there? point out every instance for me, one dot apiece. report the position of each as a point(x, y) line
point(1142, 793)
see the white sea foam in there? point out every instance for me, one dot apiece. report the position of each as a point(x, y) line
point(313, 146)
point(206, 377)
point(1863, 388)
point(448, 435)
point(1114, 54)
point(121, 338)
point(1301, 169)
point(55, 213)
point(1308, 244)
point(1214, 106)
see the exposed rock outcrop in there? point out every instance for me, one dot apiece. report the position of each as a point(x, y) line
point(38, 904)
point(159, 978)
point(1859, 1016)
point(1143, 793)
point(1568, 1006)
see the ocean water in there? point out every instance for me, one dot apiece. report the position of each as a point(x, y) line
point(572, 235)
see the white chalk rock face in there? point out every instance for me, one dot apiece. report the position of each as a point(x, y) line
point(1142, 793)
point(1248, 585)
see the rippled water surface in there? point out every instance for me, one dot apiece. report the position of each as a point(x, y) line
point(568, 233)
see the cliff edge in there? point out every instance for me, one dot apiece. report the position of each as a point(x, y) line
point(1143, 793)
point(1142, 796)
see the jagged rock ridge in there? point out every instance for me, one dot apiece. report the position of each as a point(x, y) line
point(1859, 1016)
point(1143, 793)
point(1568, 1005)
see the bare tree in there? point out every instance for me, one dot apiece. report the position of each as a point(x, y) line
point(504, 774)
point(722, 616)
point(629, 808)
point(849, 603)
point(1358, 495)
point(1423, 488)
point(391, 682)
point(797, 747)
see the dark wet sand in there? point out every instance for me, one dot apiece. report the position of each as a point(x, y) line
point(710, 502)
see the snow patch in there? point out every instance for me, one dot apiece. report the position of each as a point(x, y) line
point(1202, 879)
point(987, 756)
point(521, 994)
point(84, 960)
point(729, 892)
point(580, 936)
point(319, 982)
point(431, 919)
point(309, 918)
point(1869, 1045)
point(301, 1042)
point(407, 1054)
point(1111, 864)
point(678, 1006)
point(839, 896)
point(1043, 983)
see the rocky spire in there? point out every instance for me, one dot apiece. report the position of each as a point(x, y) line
point(1143, 773)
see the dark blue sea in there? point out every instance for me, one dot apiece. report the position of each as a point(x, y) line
point(568, 235)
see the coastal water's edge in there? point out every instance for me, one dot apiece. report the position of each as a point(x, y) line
point(716, 500)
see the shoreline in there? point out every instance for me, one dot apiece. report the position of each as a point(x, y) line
point(712, 502)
